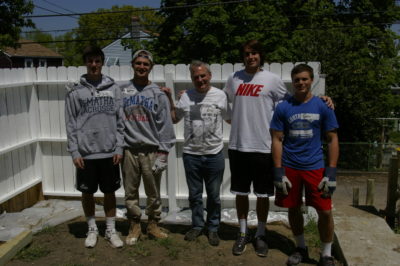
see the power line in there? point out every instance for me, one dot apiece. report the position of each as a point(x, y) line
point(58, 13)
point(53, 4)
point(265, 30)
point(93, 28)
point(142, 9)
point(89, 40)
point(193, 6)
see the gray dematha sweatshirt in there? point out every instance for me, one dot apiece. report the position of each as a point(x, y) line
point(147, 117)
point(93, 118)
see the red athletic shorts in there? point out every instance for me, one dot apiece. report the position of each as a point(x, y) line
point(309, 179)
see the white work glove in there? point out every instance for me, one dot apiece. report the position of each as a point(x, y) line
point(281, 182)
point(328, 183)
point(161, 163)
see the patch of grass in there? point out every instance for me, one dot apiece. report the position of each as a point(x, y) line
point(140, 250)
point(47, 230)
point(32, 253)
point(173, 248)
point(311, 233)
point(165, 242)
point(397, 229)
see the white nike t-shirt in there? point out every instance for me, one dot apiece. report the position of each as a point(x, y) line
point(254, 98)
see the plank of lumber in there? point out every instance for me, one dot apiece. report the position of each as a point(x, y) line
point(10, 248)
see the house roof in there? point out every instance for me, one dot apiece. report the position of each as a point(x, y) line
point(30, 49)
point(143, 34)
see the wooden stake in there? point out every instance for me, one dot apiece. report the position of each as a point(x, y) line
point(370, 192)
point(356, 196)
point(392, 191)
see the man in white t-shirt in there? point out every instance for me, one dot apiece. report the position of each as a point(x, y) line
point(203, 108)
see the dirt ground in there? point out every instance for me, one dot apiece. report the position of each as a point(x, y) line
point(64, 244)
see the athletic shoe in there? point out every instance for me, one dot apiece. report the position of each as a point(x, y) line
point(91, 238)
point(113, 238)
point(326, 261)
point(298, 256)
point(213, 238)
point(192, 234)
point(260, 246)
point(154, 231)
point(135, 231)
point(240, 245)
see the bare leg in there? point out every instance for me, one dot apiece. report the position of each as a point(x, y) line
point(296, 221)
point(88, 204)
point(110, 204)
point(242, 206)
point(325, 226)
point(262, 209)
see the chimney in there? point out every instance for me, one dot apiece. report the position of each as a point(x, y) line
point(135, 31)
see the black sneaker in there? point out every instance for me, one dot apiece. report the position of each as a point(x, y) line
point(192, 234)
point(213, 238)
point(299, 255)
point(240, 245)
point(260, 246)
point(326, 261)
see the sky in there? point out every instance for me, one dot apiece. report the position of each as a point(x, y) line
point(75, 6)
point(82, 6)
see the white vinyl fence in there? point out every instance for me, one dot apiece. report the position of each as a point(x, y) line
point(33, 137)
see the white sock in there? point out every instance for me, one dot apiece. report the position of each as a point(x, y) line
point(91, 221)
point(243, 225)
point(300, 242)
point(326, 249)
point(260, 229)
point(110, 223)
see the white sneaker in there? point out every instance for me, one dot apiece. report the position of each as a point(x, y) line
point(91, 238)
point(113, 238)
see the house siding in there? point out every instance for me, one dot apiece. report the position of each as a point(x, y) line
point(117, 50)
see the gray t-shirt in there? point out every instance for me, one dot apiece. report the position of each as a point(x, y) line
point(203, 114)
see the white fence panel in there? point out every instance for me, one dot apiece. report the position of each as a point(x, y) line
point(4, 178)
point(2, 76)
point(4, 126)
point(227, 69)
point(68, 169)
point(12, 124)
point(126, 72)
point(216, 71)
point(9, 171)
point(33, 138)
point(44, 111)
point(47, 167)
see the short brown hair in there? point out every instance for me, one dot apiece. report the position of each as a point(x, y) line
point(302, 68)
point(255, 45)
point(92, 50)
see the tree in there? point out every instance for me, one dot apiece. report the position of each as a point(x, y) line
point(214, 32)
point(102, 29)
point(39, 36)
point(357, 51)
point(351, 39)
point(12, 20)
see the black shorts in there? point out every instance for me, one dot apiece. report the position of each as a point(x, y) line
point(98, 173)
point(251, 167)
